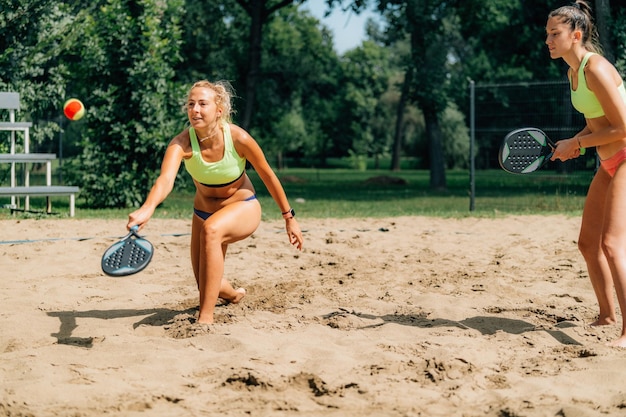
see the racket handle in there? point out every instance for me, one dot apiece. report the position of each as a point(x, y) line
point(135, 227)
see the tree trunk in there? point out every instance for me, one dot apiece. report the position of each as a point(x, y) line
point(397, 137)
point(279, 161)
point(256, 11)
point(603, 21)
point(435, 150)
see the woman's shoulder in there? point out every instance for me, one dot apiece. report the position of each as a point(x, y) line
point(598, 67)
point(181, 143)
point(181, 138)
point(239, 134)
point(244, 143)
point(597, 62)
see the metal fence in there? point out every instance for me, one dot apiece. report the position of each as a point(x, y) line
point(496, 109)
point(500, 108)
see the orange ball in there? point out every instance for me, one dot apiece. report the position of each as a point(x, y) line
point(74, 109)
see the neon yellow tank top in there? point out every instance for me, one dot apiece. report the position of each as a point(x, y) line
point(215, 174)
point(583, 99)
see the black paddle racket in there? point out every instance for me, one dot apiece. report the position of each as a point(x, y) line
point(128, 256)
point(526, 150)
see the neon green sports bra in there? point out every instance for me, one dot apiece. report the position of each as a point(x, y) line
point(215, 174)
point(583, 99)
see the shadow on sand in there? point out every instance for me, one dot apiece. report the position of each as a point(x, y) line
point(487, 325)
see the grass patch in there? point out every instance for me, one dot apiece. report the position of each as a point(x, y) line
point(343, 193)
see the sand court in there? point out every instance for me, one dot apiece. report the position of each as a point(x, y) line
point(402, 316)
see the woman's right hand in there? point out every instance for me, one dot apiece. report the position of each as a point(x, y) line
point(139, 217)
point(566, 149)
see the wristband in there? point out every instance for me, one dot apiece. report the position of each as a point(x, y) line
point(580, 146)
point(289, 214)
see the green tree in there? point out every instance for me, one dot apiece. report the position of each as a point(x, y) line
point(298, 85)
point(430, 27)
point(620, 31)
point(604, 23)
point(125, 75)
point(259, 12)
point(32, 38)
point(212, 45)
point(456, 136)
point(366, 76)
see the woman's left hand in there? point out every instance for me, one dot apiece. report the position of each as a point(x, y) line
point(294, 233)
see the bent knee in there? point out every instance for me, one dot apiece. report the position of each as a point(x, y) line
point(211, 231)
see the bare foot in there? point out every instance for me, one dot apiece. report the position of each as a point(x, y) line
point(241, 292)
point(198, 329)
point(606, 321)
point(205, 320)
point(621, 342)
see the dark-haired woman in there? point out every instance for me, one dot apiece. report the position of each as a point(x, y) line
point(598, 92)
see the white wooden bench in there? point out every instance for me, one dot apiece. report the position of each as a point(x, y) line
point(45, 191)
point(27, 157)
point(15, 126)
point(35, 158)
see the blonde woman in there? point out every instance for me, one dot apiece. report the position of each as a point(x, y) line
point(226, 210)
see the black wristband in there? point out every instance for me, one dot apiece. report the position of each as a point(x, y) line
point(289, 214)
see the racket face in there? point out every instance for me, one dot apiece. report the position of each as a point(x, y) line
point(128, 256)
point(525, 150)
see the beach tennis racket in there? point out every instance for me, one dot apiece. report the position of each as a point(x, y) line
point(526, 150)
point(128, 256)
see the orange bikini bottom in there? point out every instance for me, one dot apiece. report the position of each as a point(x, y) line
point(610, 165)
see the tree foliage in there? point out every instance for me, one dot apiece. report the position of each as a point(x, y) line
point(128, 51)
point(32, 37)
point(403, 92)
